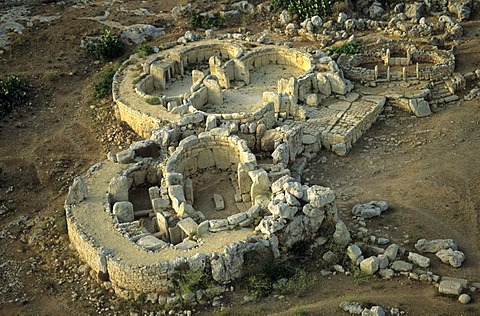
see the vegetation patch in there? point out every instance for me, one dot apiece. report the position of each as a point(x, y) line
point(305, 9)
point(349, 48)
point(153, 100)
point(103, 86)
point(144, 50)
point(206, 21)
point(108, 47)
point(13, 93)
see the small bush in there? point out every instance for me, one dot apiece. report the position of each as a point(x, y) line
point(349, 48)
point(13, 93)
point(108, 47)
point(103, 87)
point(153, 100)
point(297, 285)
point(144, 50)
point(259, 286)
point(187, 281)
point(199, 21)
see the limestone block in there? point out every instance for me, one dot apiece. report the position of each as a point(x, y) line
point(419, 260)
point(319, 196)
point(312, 99)
point(77, 192)
point(341, 235)
point(177, 196)
point(187, 244)
point(324, 86)
point(125, 156)
point(221, 158)
point(217, 223)
point(151, 243)
point(211, 122)
point(371, 209)
point(218, 201)
point(401, 266)
point(354, 252)
point(260, 183)
point(419, 107)
point(280, 183)
point(269, 139)
point(392, 251)
point(215, 92)
point(118, 189)
point(185, 209)
point(139, 177)
point(382, 261)
point(188, 226)
point(337, 84)
point(160, 204)
point(294, 188)
point(203, 227)
point(197, 75)
point(188, 190)
point(162, 225)
point(175, 234)
point(236, 219)
point(244, 180)
point(154, 192)
point(123, 211)
point(205, 159)
point(281, 154)
point(450, 287)
point(425, 245)
point(281, 209)
point(369, 266)
point(464, 298)
point(453, 257)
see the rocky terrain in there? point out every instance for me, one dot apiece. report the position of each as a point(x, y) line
point(425, 168)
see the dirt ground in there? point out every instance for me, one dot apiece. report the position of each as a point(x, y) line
point(427, 169)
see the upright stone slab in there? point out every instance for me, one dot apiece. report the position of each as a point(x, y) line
point(163, 226)
point(123, 211)
point(118, 189)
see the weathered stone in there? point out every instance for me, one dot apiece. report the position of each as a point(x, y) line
point(373, 311)
point(392, 251)
point(419, 260)
point(453, 257)
point(414, 10)
point(118, 189)
point(125, 156)
point(188, 226)
point(235, 219)
point(401, 266)
point(351, 307)
point(151, 243)
point(371, 209)
point(282, 210)
point(77, 192)
point(369, 265)
point(187, 244)
point(450, 287)
point(419, 107)
point(294, 188)
point(123, 211)
point(464, 298)
point(279, 184)
point(319, 196)
point(382, 261)
point(260, 183)
point(218, 201)
point(341, 235)
point(386, 273)
point(281, 155)
point(329, 257)
point(424, 245)
point(354, 252)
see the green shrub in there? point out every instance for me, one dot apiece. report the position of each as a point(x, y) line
point(13, 93)
point(144, 50)
point(349, 48)
point(153, 100)
point(259, 286)
point(187, 281)
point(305, 8)
point(103, 87)
point(297, 285)
point(198, 21)
point(108, 47)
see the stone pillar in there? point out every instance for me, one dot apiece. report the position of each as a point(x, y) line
point(387, 57)
point(417, 71)
point(404, 73)
point(376, 72)
point(409, 57)
point(388, 73)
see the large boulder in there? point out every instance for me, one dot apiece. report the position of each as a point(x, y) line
point(414, 10)
point(369, 266)
point(123, 211)
point(371, 209)
point(419, 260)
point(341, 235)
point(77, 192)
point(425, 245)
point(453, 257)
